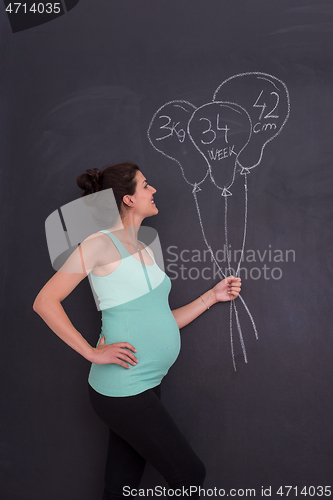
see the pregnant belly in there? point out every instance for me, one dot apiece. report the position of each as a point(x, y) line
point(157, 341)
point(150, 327)
point(159, 345)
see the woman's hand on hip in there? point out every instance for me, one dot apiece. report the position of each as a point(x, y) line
point(119, 353)
point(227, 289)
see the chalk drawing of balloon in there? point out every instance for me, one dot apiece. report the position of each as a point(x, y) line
point(266, 99)
point(220, 131)
point(167, 133)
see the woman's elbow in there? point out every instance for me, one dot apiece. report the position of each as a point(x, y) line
point(35, 305)
point(38, 303)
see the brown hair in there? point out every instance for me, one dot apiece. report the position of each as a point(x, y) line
point(119, 177)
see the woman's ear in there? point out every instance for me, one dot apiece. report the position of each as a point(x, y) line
point(127, 200)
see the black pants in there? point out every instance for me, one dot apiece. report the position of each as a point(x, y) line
point(141, 430)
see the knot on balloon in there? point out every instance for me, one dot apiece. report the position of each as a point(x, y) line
point(196, 188)
point(225, 192)
point(244, 171)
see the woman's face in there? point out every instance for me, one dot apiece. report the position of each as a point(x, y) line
point(143, 200)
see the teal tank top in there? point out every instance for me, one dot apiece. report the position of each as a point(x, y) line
point(135, 309)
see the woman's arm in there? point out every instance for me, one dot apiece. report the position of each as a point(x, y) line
point(48, 305)
point(225, 290)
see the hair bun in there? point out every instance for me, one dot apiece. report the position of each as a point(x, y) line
point(90, 181)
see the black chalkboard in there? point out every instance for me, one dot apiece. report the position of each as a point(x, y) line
point(226, 107)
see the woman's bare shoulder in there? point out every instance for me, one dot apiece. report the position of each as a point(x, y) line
point(101, 246)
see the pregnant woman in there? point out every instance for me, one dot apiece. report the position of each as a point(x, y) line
point(139, 340)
